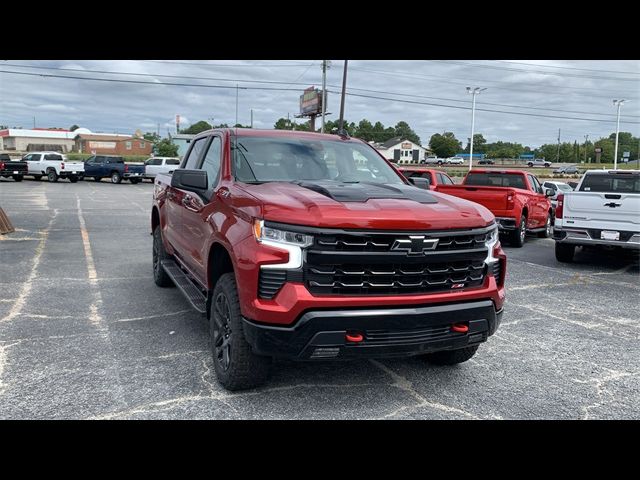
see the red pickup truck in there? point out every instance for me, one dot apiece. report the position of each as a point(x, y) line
point(515, 197)
point(434, 177)
point(310, 246)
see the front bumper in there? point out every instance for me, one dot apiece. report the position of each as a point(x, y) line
point(132, 175)
point(586, 237)
point(386, 332)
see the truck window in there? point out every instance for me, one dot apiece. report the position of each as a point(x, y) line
point(211, 162)
point(612, 182)
point(194, 153)
point(54, 157)
point(496, 179)
point(173, 161)
point(154, 161)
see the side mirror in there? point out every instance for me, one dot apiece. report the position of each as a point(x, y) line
point(190, 180)
point(549, 192)
point(420, 182)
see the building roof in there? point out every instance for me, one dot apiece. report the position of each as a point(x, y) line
point(29, 133)
point(391, 142)
point(114, 137)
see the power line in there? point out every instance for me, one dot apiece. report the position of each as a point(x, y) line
point(266, 65)
point(569, 68)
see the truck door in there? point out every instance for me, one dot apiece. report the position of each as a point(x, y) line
point(33, 162)
point(196, 210)
point(539, 203)
point(174, 230)
point(153, 166)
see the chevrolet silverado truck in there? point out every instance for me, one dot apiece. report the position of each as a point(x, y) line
point(54, 166)
point(434, 177)
point(516, 198)
point(603, 211)
point(156, 165)
point(114, 168)
point(11, 168)
point(311, 246)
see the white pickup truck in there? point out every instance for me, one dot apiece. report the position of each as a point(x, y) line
point(604, 210)
point(156, 165)
point(53, 165)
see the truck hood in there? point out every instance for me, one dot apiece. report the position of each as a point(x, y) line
point(366, 206)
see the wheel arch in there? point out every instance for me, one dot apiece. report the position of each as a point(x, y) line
point(219, 262)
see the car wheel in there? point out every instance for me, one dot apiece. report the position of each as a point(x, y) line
point(73, 179)
point(452, 357)
point(236, 366)
point(116, 178)
point(548, 228)
point(530, 164)
point(519, 234)
point(565, 252)
point(52, 176)
point(160, 277)
point(18, 178)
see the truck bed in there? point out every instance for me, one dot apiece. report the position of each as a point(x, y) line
point(493, 198)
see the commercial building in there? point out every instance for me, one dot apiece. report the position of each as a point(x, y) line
point(401, 150)
point(112, 144)
point(37, 139)
point(182, 140)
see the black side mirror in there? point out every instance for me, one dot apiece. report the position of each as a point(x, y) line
point(190, 180)
point(549, 192)
point(420, 182)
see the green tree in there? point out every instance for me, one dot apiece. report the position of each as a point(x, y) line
point(402, 129)
point(197, 127)
point(365, 130)
point(164, 148)
point(74, 127)
point(151, 137)
point(479, 144)
point(444, 145)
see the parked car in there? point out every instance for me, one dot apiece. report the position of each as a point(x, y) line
point(538, 162)
point(113, 167)
point(12, 168)
point(433, 161)
point(515, 197)
point(53, 165)
point(433, 177)
point(312, 247)
point(455, 161)
point(156, 165)
point(486, 161)
point(602, 212)
point(558, 188)
point(568, 170)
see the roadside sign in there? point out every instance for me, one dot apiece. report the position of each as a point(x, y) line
point(626, 154)
point(598, 150)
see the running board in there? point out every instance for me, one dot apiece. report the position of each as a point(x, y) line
point(185, 285)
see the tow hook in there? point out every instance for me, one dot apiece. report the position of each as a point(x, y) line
point(460, 327)
point(354, 337)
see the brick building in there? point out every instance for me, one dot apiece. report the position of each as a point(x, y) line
point(112, 144)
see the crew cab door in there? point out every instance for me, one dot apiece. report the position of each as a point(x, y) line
point(539, 203)
point(196, 210)
point(153, 166)
point(33, 162)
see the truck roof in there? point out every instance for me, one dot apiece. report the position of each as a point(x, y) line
point(606, 172)
point(258, 132)
point(493, 170)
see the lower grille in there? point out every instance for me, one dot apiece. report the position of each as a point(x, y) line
point(270, 282)
point(497, 271)
point(398, 337)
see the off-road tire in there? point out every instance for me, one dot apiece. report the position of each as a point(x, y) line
point(548, 228)
point(52, 176)
point(452, 357)
point(160, 277)
point(517, 237)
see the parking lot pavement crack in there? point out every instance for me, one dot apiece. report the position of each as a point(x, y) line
point(405, 385)
point(600, 382)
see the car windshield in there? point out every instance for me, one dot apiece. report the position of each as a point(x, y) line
point(612, 182)
point(496, 180)
point(564, 187)
point(272, 159)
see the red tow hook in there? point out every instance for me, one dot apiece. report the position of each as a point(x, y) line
point(460, 327)
point(354, 337)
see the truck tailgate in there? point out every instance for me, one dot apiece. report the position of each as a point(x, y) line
point(494, 198)
point(73, 166)
point(135, 168)
point(609, 211)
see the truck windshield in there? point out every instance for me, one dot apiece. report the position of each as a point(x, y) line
point(496, 179)
point(612, 182)
point(270, 159)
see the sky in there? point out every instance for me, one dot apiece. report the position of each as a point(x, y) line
point(521, 103)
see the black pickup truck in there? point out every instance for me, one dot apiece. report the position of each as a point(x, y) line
point(11, 168)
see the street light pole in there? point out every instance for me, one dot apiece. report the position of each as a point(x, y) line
point(473, 91)
point(618, 103)
point(586, 139)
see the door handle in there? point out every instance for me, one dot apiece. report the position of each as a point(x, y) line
point(192, 203)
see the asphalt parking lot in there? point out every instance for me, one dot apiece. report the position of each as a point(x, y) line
point(85, 333)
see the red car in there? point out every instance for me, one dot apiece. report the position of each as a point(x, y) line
point(434, 177)
point(310, 247)
point(515, 197)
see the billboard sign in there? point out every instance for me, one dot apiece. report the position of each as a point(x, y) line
point(598, 149)
point(311, 102)
point(406, 146)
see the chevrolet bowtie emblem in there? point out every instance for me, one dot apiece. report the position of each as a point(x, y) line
point(415, 244)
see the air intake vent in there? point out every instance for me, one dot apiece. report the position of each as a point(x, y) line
point(270, 282)
point(497, 272)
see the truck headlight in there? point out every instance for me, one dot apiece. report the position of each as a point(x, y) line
point(490, 241)
point(292, 242)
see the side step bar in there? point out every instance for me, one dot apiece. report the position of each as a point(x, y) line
point(185, 285)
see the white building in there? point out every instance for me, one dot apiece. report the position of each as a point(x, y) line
point(25, 140)
point(400, 150)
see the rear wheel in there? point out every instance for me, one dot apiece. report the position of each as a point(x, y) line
point(565, 252)
point(530, 164)
point(116, 177)
point(519, 234)
point(159, 253)
point(18, 178)
point(452, 357)
point(73, 179)
point(52, 176)
point(548, 229)
point(236, 366)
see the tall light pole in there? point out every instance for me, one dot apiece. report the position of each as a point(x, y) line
point(343, 93)
point(617, 103)
point(586, 139)
point(325, 64)
point(473, 91)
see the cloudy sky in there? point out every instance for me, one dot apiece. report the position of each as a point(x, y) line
point(526, 101)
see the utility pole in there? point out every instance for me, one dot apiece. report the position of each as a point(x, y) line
point(473, 91)
point(324, 92)
point(586, 138)
point(252, 118)
point(558, 154)
point(344, 86)
point(237, 90)
point(618, 103)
